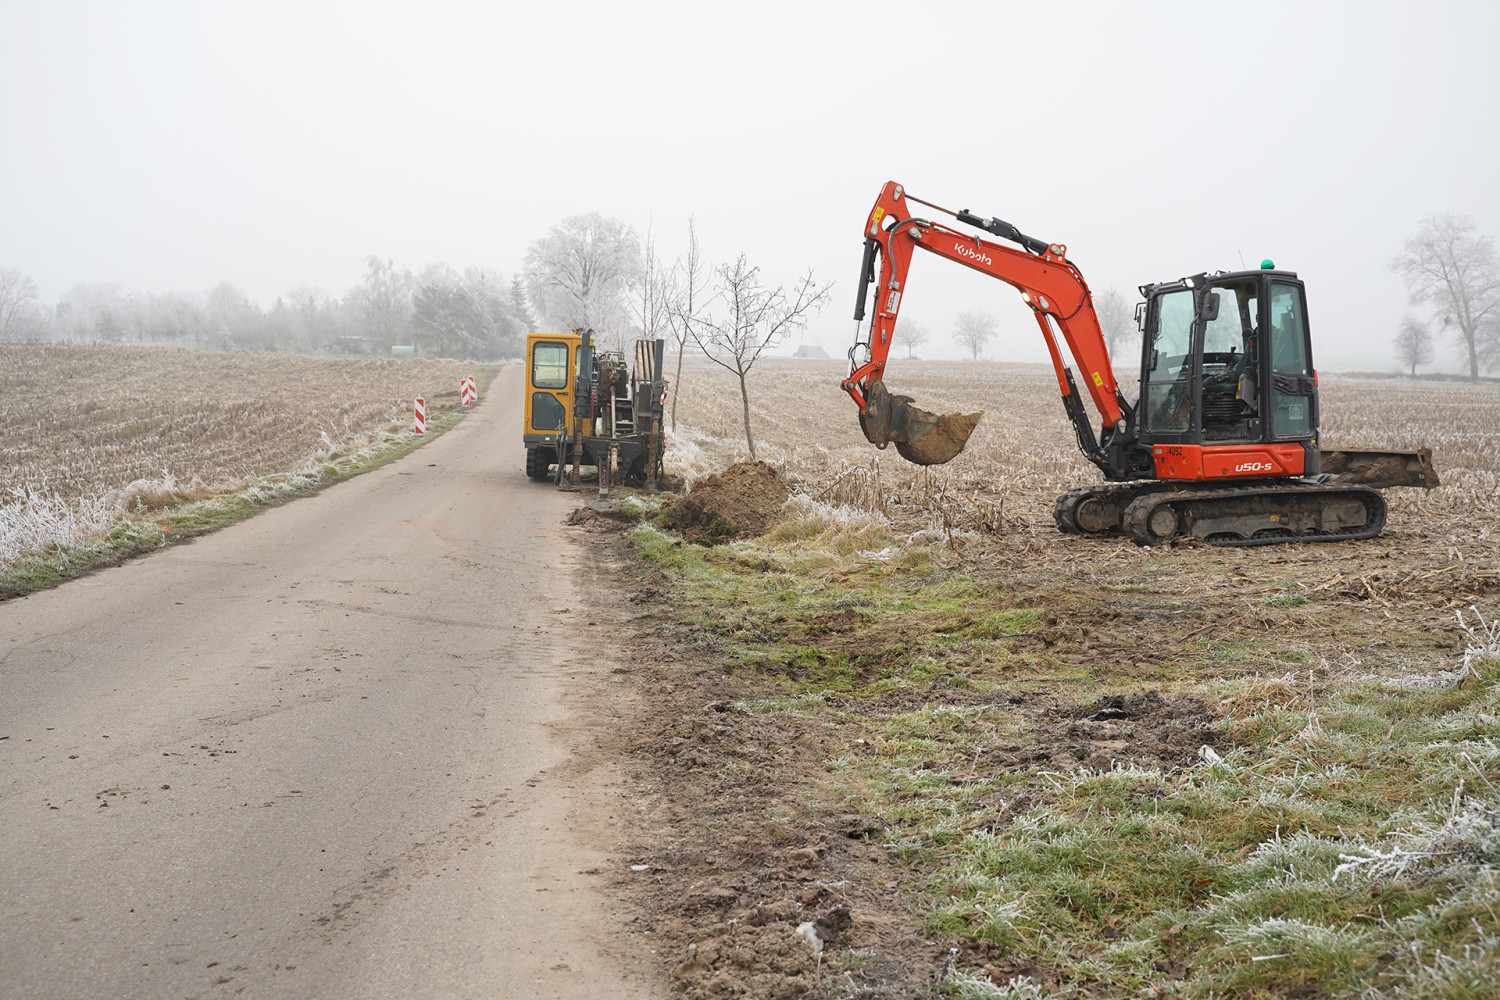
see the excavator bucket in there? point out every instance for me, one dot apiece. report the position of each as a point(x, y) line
point(922, 438)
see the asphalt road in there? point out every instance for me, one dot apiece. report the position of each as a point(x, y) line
point(322, 753)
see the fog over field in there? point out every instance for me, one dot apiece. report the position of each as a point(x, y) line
point(176, 148)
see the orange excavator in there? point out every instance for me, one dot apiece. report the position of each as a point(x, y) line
point(1221, 443)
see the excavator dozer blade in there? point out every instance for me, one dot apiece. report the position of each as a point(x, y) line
point(921, 438)
point(1381, 469)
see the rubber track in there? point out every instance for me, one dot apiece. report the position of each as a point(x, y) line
point(1064, 508)
point(1138, 513)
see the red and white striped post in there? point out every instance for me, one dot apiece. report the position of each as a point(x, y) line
point(419, 417)
point(466, 390)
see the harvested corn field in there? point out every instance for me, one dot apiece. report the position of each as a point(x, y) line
point(96, 434)
point(81, 421)
point(1022, 455)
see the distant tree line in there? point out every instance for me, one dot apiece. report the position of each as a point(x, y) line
point(440, 312)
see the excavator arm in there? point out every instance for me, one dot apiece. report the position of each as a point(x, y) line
point(1049, 284)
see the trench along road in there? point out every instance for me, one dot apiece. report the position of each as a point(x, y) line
point(327, 752)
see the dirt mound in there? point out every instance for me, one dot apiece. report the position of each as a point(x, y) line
point(1145, 729)
point(740, 502)
point(763, 959)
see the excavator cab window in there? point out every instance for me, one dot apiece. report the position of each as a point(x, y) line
point(1231, 364)
point(1166, 386)
point(1292, 387)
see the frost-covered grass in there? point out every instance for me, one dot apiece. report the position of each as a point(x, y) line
point(1347, 846)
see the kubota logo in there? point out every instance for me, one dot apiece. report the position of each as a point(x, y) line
point(964, 250)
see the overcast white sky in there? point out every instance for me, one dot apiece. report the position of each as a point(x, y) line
point(169, 146)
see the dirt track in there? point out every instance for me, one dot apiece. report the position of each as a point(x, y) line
point(322, 753)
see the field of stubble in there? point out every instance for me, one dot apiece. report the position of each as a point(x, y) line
point(81, 420)
point(93, 434)
point(1023, 455)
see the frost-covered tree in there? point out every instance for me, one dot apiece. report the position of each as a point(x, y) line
point(1413, 343)
point(382, 302)
point(913, 335)
point(20, 312)
point(579, 275)
point(1449, 264)
point(750, 320)
point(651, 302)
point(973, 330)
point(690, 294)
point(83, 306)
point(1116, 322)
point(466, 315)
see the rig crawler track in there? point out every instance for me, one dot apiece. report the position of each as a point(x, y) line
point(1262, 514)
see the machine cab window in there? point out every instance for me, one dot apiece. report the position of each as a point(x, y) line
point(1292, 387)
point(549, 366)
point(1201, 373)
point(1165, 383)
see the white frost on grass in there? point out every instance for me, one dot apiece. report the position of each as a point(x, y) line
point(1468, 836)
point(32, 521)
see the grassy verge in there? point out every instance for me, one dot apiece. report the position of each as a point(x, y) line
point(152, 525)
point(1142, 807)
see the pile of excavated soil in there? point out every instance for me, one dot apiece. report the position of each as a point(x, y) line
point(740, 502)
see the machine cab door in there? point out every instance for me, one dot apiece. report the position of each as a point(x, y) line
point(549, 383)
point(1167, 403)
point(1200, 374)
point(1293, 395)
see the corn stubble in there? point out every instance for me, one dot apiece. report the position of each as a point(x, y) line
point(1022, 455)
point(93, 434)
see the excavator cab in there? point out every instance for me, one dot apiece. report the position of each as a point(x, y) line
point(1226, 366)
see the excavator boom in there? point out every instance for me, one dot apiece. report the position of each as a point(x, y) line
point(1050, 285)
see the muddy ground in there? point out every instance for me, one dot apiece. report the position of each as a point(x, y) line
point(736, 839)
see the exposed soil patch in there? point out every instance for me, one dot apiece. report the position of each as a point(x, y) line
point(740, 502)
point(1144, 729)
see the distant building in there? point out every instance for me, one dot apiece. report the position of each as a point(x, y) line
point(810, 351)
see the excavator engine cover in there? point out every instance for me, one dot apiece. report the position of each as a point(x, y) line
point(922, 438)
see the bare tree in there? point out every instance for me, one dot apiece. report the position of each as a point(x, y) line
point(1451, 265)
point(1413, 343)
point(754, 320)
point(973, 330)
point(578, 275)
point(18, 304)
point(689, 295)
point(1116, 320)
point(913, 335)
point(653, 292)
